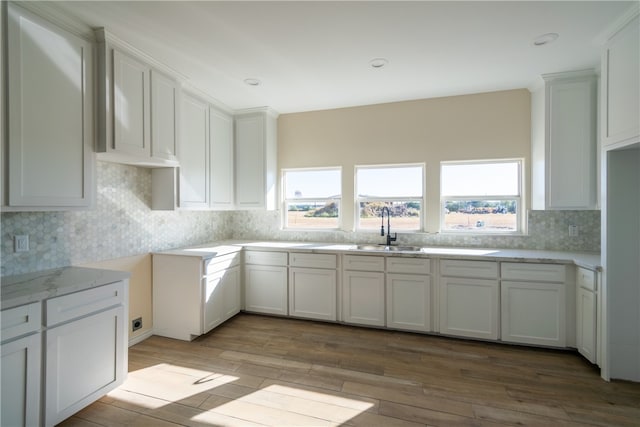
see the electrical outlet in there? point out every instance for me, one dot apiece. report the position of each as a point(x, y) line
point(573, 231)
point(21, 243)
point(136, 324)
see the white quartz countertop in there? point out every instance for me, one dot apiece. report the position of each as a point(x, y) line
point(31, 287)
point(583, 259)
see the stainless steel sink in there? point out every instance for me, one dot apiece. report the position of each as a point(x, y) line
point(381, 248)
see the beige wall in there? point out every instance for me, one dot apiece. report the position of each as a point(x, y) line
point(140, 290)
point(482, 126)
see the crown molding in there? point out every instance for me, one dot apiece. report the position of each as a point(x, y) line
point(606, 35)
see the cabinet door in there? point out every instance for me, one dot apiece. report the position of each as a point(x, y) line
point(469, 307)
point(266, 289)
point(621, 86)
point(586, 324)
point(164, 117)
point(50, 115)
point(231, 292)
point(194, 152)
point(213, 301)
point(409, 302)
point(571, 121)
point(222, 159)
point(534, 313)
point(130, 105)
point(85, 359)
point(363, 298)
point(21, 382)
point(250, 162)
point(312, 293)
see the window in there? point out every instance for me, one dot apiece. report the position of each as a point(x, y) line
point(312, 198)
point(398, 187)
point(481, 196)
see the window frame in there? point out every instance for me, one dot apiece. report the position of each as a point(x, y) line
point(358, 199)
point(519, 199)
point(285, 201)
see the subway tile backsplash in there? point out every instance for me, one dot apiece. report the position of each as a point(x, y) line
point(123, 224)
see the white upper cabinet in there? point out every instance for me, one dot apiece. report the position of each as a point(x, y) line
point(50, 162)
point(566, 140)
point(194, 153)
point(137, 107)
point(222, 159)
point(165, 93)
point(621, 85)
point(256, 160)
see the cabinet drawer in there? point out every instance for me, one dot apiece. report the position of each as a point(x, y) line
point(408, 265)
point(533, 272)
point(221, 263)
point(67, 307)
point(265, 258)
point(312, 260)
point(586, 279)
point(363, 263)
point(21, 320)
point(459, 268)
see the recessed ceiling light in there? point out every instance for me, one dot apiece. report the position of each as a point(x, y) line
point(252, 82)
point(545, 39)
point(378, 62)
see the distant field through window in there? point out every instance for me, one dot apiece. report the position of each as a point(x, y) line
point(481, 197)
point(397, 187)
point(312, 198)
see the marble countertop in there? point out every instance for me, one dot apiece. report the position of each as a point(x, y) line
point(583, 259)
point(31, 287)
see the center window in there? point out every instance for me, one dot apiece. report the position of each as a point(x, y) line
point(397, 187)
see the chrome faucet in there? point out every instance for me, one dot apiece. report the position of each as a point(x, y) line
point(395, 235)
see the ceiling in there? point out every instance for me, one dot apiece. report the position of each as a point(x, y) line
point(315, 55)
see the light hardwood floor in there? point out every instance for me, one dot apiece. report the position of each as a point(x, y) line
point(257, 370)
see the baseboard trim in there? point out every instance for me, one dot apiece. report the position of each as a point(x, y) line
point(140, 338)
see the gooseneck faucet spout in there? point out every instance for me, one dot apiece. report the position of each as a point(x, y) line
point(395, 235)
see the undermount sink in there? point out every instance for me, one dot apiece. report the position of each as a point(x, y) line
point(389, 248)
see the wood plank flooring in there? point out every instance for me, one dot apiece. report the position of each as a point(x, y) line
point(257, 370)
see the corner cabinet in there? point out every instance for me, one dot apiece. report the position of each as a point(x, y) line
point(194, 153)
point(621, 85)
point(221, 160)
point(256, 159)
point(50, 163)
point(191, 295)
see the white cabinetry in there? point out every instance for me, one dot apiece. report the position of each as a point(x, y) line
point(50, 162)
point(409, 295)
point(256, 160)
point(137, 108)
point(21, 355)
point(363, 291)
point(191, 296)
point(194, 153)
point(86, 348)
point(586, 314)
point(566, 140)
point(621, 85)
point(534, 304)
point(312, 286)
point(221, 163)
point(265, 282)
point(469, 299)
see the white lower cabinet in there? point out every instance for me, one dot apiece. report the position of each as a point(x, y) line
point(191, 295)
point(469, 307)
point(313, 286)
point(409, 294)
point(534, 307)
point(265, 282)
point(86, 348)
point(586, 314)
point(363, 290)
point(20, 365)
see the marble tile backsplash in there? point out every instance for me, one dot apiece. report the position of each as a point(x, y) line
point(123, 224)
point(548, 230)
